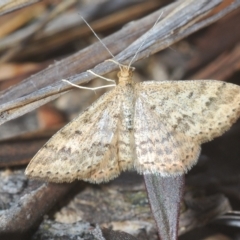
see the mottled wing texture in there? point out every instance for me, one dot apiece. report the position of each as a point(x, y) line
point(159, 148)
point(172, 118)
point(86, 148)
point(202, 109)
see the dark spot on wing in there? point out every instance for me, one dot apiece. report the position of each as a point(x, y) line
point(65, 150)
point(190, 94)
point(209, 102)
point(78, 132)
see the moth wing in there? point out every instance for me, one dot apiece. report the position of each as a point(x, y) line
point(159, 148)
point(201, 109)
point(83, 149)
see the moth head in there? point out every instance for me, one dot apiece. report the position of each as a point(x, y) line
point(125, 73)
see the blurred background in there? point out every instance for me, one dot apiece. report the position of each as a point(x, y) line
point(36, 34)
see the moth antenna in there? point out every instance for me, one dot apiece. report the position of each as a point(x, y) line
point(121, 66)
point(88, 88)
point(138, 50)
point(97, 36)
point(106, 79)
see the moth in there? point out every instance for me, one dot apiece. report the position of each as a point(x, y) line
point(152, 127)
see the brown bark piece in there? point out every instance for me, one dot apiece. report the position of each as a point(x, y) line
point(24, 215)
